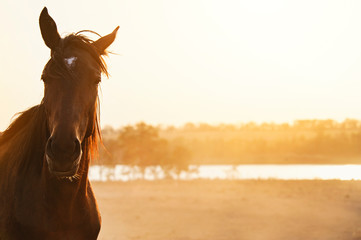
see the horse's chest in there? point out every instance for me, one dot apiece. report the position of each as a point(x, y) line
point(42, 219)
point(79, 225)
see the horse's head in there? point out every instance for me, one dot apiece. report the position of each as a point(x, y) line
point(71, 79)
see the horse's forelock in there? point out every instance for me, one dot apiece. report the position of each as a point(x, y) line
point(78, 41)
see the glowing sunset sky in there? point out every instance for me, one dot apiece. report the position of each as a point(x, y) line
point(199, 61)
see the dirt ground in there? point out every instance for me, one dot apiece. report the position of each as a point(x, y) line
point(218, 209)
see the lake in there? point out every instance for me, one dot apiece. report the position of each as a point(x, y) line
point(229, 172)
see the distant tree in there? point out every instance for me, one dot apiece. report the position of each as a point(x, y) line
point(203, 127)
point(141, 145)
point(226, 127)
point(189, 126)
point(179, 158)
point(351, 124)
point(170, 129)
point(251, 126)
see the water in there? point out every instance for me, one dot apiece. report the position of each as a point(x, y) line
point(240, 172)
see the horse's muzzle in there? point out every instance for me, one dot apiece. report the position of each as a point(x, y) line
point(63, 161)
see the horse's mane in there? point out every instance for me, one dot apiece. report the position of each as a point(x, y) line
point(22, 147)
point(28, 128)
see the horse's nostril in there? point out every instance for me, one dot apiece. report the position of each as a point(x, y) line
point(63, 148)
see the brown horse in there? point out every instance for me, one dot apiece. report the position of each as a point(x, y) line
point(45, 153)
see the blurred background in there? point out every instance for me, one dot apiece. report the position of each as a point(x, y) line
point(212, 111)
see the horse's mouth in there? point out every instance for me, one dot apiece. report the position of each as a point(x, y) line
point(65, 174)
point(70, 174)
point(74, 178)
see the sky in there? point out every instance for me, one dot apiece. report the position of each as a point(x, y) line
point(211, 61)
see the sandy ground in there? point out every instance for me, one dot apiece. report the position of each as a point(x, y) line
point(242, 210)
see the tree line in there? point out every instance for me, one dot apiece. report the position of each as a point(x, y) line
point(303, 141)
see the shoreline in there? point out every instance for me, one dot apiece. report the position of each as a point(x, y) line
point(227, 172)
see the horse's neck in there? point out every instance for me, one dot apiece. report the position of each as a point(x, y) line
point(64, 196)
point(46, 198)
point(54, 205)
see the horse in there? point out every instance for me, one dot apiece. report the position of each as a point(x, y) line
point(45, 152)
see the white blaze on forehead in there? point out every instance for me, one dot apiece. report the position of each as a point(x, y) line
point(70, 61)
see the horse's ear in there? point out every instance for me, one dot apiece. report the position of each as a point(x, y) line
point(48, 29)
point(104, 42)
